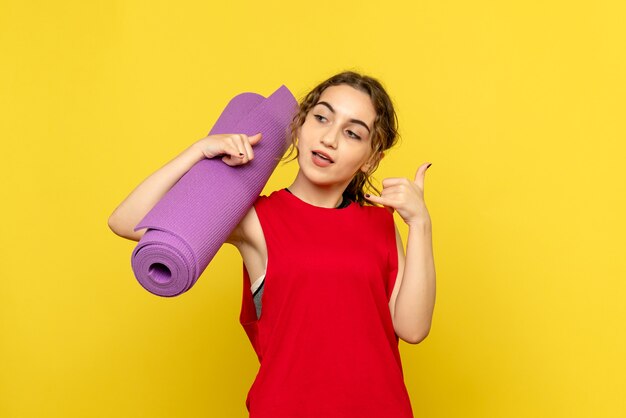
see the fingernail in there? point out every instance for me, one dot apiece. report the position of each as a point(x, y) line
point(241, 154)
point(367, 195)
point(428, 165)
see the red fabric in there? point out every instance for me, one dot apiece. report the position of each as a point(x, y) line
point(325, 338)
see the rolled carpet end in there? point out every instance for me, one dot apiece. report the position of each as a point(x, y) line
point(163, 264)
point(196, 216)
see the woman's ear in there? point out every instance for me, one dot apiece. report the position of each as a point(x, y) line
point(298, 131)
point(372, 162)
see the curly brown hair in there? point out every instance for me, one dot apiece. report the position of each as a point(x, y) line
point(384, 133)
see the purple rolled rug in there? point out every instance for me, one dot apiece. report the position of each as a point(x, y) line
point(194, 218)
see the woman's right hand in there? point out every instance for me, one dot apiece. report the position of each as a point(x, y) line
point(235, 148)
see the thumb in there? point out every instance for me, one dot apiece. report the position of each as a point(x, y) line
point(419, 175)
point(254, 138)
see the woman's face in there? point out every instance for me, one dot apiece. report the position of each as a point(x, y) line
point(339, 126)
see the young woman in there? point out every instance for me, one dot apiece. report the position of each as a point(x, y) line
point(328, 291)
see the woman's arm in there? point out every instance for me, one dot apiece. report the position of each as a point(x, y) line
point(145, 196)
point(238, 150)
point(413, 298)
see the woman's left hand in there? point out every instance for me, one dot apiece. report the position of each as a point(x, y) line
point(405, 196)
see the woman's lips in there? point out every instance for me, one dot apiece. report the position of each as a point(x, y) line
point(320, 161)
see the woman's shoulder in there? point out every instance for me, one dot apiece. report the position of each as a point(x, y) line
point(268, 197)
point(378, 217)
point(263, 201)
point(379, 211)
point(248, 231)
point(241, 234)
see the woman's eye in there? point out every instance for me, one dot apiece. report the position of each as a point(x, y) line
point(319, 117)
point(353, 135)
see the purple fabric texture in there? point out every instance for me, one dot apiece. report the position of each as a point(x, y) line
point(194, 218)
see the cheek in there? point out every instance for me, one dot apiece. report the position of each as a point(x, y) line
point(304, 131)
point(365, 160)
point(301, 135)
point(355, 162)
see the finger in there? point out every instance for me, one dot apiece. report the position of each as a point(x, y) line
point(420, 174)
point(248, 147)
point(381, 201)
point(233, 152)
point(398, 188)
point(254, 139)
point(233, 155)
point(231, 161)
point(392, 181)
point(395, 196)
point(239, 141)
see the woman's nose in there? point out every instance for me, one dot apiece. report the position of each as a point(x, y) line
point(330, 139)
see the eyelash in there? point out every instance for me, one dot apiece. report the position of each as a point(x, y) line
point(355, 135)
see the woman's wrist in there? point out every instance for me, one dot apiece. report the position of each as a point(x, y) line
point(196, 150)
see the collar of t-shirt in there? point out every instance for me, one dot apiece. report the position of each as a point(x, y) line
point(344, 203)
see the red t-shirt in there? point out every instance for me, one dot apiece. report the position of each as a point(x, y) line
point(325, 337)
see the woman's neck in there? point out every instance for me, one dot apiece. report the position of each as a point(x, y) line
point(326, 197)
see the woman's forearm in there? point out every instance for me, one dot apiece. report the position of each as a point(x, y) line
point(415, 302)
point(146, 195)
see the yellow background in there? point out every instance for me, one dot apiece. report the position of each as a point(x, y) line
point(519, 105)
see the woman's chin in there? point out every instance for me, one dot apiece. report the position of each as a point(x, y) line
point(324, 181)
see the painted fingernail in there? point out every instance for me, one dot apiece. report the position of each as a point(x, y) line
point(367, 195)
point(429, 165)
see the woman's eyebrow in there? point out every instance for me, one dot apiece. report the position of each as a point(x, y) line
point(360, 122)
